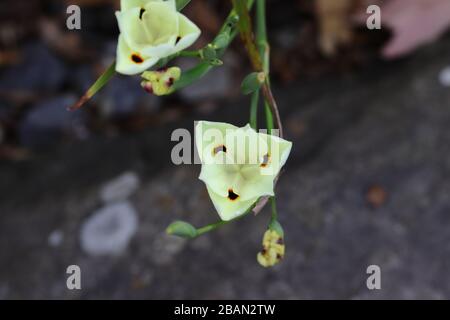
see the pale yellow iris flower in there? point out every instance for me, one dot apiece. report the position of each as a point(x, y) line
point(150, 30)
point(239, 165)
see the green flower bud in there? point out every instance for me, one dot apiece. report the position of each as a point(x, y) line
point(208, 53)
point(252, 82)
point(182, 229)
point(222, 40)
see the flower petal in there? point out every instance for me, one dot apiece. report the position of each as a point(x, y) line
point(209, 135)
point(129, 4)
point(160, 22)
point(132, 28)
point(131, 62)
point(228, 209)
point(279, 150)
point(246, 146)
point(188, 33)
point(256, 185)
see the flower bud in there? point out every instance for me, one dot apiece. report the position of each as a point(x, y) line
point(273, 249)
point(182, 229)
point(209, 53)
point(160, 82)
point(222, 40)
point(253, 82)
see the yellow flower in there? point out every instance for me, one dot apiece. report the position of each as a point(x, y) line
point(273, 249)
point(160, 82)
point(239, 165)
point(150, 30)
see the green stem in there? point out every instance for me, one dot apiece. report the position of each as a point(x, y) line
point(261, 40)
point(214, 226)
point(189, 53)
point(210, 227)
point(197, 72)
point(274, 209)
point(254, 110)
point(269, 117)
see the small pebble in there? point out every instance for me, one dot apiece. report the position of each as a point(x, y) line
point(444, 77)
point(109, 230)
point(55, 238)
point(120, 188)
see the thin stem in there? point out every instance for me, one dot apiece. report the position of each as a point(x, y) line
point(261, 29)
point(189, 53)
point(254, 110)
point(274, 209)
point(210, 227)
point(261, 40)
point(214, 226)
point(197, 72)
point(254, 53)
point(269, 117)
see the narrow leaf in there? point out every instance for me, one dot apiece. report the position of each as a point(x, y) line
point(100, 83)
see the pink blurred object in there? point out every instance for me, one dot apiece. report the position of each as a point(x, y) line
point(414, 23)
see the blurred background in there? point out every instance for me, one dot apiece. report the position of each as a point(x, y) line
point(368, 180)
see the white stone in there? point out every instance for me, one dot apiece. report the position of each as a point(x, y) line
point(55, 238)
point(120, 188)
point(444, 77)
point(109, 230)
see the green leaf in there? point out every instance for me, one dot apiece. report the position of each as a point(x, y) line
point(252, 82)
point(182, 229)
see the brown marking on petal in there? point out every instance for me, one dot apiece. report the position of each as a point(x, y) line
point(219, 148)
point(170, 82)
point(231, 195)
point(279, 257)
point(266, 160)
point(178, 40)
point(148, 88)
point(280, 241)
point(136, 58)
point(141, 13)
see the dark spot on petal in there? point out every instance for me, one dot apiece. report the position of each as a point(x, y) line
point(149, 88)
point(217, 149)
point(280, 241)
point(279, 256)
point(141, 13)
point(265, 161)
point(178, 39)
point(263, 251)
point(170, 82)
point(231, 195)
point(136, 58)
